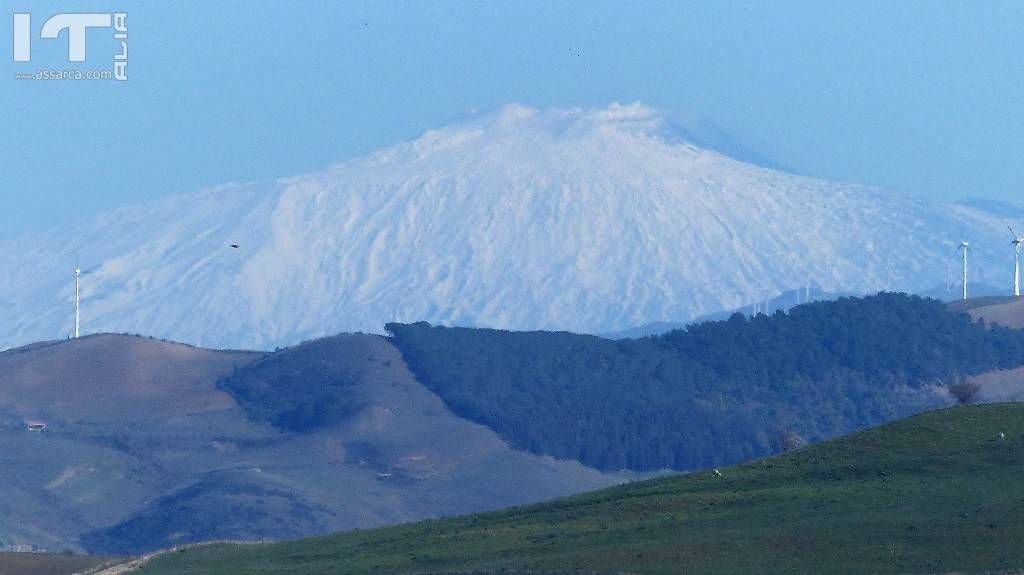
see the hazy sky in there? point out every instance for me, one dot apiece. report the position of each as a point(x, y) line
point(922, 97)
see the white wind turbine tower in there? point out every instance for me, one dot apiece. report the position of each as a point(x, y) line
point(78, 315)
point(1018, 243)
point(965, 247)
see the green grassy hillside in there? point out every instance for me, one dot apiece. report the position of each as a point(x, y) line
point(936, 493)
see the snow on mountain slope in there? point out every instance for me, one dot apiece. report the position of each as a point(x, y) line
point(584, 220)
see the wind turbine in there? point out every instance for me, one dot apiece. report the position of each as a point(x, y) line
point(966, 247)
point(78, 297)
point(1018, 244)
point(78, 300)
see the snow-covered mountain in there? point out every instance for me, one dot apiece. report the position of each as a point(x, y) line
point(583, 220)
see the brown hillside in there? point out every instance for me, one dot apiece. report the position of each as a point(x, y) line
point(48, 564)
point(114, 377)
point(1005, 311)
point(1000, 385)
point(143, 451)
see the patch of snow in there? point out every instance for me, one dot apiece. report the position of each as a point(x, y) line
point(584, 220)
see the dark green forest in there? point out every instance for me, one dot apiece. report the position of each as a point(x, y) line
point(301, 388)
point(713, 393)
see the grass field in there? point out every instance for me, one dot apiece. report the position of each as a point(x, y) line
point(46, 564)
point(937, 493)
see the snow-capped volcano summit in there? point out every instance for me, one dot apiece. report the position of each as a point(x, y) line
point(584, 220)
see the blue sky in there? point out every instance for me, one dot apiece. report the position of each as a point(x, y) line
point(922, 97)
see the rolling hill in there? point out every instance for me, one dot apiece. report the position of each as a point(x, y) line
point(151, 444)
point(1007, 311)
point(934, 493)
point(1001, 384)
point(588, 220)
point(143, 450)
point(714, 393)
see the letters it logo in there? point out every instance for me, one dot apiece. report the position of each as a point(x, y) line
point(77, 25)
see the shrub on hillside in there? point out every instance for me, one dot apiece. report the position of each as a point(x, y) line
point(965, 392)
